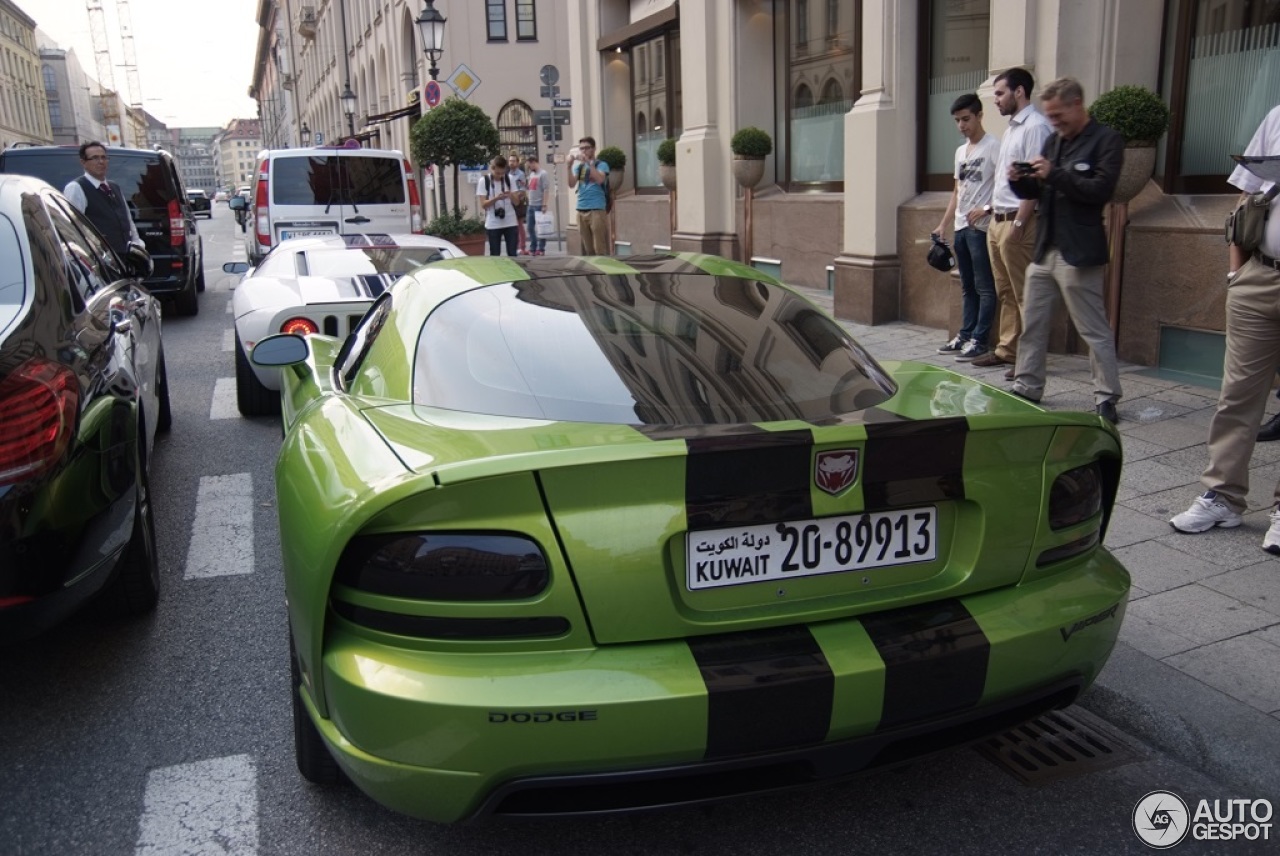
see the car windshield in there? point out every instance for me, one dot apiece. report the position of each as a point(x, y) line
point(364, 261)
point(325, 179)
point(653, 349)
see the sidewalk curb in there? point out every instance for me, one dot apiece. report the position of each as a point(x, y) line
point(1200, 726)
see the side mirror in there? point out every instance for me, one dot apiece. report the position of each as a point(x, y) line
point(238, 203)
point(235, 267)
point(282, 349)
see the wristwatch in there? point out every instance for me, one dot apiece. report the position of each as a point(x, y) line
point(1017, 224)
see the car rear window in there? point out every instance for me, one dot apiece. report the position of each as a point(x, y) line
point(337, 180)
point(144, 177)
point(653, 349)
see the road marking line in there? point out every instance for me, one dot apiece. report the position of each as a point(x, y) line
point(223, 405)
point(229, 339)
point(229, 307)
point(222, 534)
point(204, 807)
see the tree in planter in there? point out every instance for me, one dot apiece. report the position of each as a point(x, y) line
point(750, 147)
point(667, 163)
point(617, 161)
point(1137, 114)
point(456, 133)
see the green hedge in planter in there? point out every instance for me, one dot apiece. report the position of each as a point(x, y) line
point(454, 224)
point(667, 152)
point(614, 157)
point(1135, 112)
point(751, 142)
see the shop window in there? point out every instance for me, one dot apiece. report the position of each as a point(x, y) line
point(655, 91)
point(957, 37)
point(1221, 75)
point(816, 53)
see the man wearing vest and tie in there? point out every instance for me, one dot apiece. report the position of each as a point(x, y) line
point(102, 201)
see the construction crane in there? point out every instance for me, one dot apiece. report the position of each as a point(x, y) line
point(106, 70)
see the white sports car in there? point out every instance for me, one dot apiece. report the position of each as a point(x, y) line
point(315, 285)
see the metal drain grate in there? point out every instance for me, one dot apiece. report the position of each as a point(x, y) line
point(1056, 746)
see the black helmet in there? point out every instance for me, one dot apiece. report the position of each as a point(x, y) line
point(139, 260)
point(940, 255)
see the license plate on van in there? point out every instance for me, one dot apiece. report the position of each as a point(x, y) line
point(286, 234)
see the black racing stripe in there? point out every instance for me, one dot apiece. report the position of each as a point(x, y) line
point(373, 284)
point(748, 478)
point(909, 463)
point(766, 690)
point(935, 660)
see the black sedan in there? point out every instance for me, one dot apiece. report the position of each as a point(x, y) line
point(83, 393)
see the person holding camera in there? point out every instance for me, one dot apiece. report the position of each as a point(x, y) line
point(496, 194)
point(588, 176)
point(1073, 179)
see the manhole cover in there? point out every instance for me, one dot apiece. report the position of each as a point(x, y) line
point(1057, 745)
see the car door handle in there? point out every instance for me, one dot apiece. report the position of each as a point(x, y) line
point(360, 219)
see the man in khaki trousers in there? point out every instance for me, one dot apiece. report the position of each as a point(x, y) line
point(1011, 235)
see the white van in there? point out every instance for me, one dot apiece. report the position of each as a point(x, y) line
point(329, 190)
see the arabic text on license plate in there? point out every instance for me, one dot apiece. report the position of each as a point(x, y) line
point(802, 548)
point(302, 233)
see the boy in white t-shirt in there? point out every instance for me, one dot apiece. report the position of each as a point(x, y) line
point(969, 210)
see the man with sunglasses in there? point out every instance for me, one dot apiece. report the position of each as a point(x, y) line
point(102, 201)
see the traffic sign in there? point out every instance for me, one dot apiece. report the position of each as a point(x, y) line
point(549, 74)
point(550, 91)
point(551, 117)
point(432, 90)
point(319, 138)
point(562, 102)
point(463, 80)
point(552, 133)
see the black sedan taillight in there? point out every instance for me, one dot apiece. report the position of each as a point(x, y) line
point(40, 399)
point(454, 566)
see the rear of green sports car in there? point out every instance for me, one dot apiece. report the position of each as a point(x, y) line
point(573, 536)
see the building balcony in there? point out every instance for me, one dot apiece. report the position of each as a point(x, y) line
point(307, 22)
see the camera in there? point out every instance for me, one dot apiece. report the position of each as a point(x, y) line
point(499, 211)
point(1023, 167)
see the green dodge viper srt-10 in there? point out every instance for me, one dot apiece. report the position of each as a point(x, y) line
point(575, 535)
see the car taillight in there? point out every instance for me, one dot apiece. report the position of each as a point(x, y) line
point(261, 218)
point(39, 401)
point(415, 201)
point(177, 225)
point(1076, 496)
point(451, 566)
point(300, 327)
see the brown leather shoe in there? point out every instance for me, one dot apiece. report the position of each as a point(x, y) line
point(1270, 430)
point(990, 359)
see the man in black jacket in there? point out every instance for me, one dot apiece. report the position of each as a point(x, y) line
point(102, 201)
point(1073, 179)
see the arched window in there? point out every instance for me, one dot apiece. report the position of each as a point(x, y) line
point(659, 126)
point(803, 97)
point(642, 125)
point(516, 131)
point(831, 92)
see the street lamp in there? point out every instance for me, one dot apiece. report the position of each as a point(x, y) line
point(431, 28)
point(304, 135)
point(348, 99)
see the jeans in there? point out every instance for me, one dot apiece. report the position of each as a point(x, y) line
point(536, 244)
point(510, 234)
point(977, 286)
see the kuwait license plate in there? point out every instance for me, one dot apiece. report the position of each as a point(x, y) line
point(286, 234)
point(803, 548)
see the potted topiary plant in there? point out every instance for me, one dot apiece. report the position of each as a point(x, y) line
point(617, 161)
point(750, 147)
point(467, 232)
point(456, 133)
point(1138, 115)
point(667, 163)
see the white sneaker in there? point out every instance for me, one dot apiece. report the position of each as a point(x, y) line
point(953, 345)
point(971, 351)
point(1271, 541)
point(1208, 511)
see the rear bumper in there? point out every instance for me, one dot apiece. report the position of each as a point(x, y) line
point(639, 726)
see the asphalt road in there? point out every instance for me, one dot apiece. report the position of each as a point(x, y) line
point(173, 734)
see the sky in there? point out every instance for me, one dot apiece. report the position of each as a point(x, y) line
point(195, 57)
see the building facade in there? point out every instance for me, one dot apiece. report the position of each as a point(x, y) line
point(855, 94)
point(493, 54)
point(194, 156)
point(74, 115)
point(24, 109)
point(235, 151)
